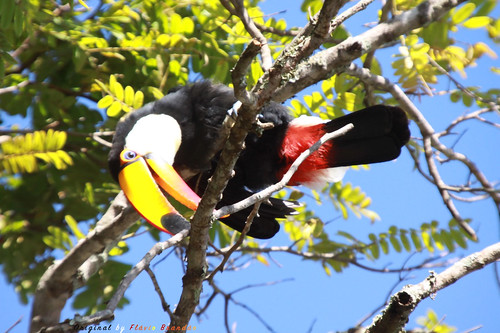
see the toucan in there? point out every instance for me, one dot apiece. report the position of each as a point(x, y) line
point(153, 145)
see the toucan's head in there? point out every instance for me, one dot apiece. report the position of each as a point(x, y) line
point(142, 158)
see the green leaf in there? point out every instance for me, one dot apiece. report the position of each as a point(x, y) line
point(105, 102)
point(314, 101)
point(384, 245)
point(448, 240)
point(20, 153)
point(119, 249)
point(461, 14)
point(486, 7)
point(117, 91)
point(426, 238)
point(327, 269)
point(8, 7)
point(311, 6)
point(459, 238)
point(298, 108)
point(129, 95)
point(138, 100)
point(374, 246)
point(395, 243)
point(114, 109)
point(187, 25)
point(58, 239)
point(156, 92)
point(477, 22)
point(73, 225)
point(346, 100)
point(416, 240)
point(18, 21)
point(455, 96)
point(262, 260)
point(83, 4)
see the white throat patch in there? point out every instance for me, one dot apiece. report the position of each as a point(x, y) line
point(155, 133)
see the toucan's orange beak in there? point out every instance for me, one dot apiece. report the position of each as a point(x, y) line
point(139, 178)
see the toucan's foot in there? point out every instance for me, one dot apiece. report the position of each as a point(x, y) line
point(174, 223)
point(233, 112)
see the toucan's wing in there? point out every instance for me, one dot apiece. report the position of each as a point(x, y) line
point(264, 225)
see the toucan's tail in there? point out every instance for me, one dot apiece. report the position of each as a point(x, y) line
point(379, 133)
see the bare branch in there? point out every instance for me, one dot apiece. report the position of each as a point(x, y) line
point(472, 115)
point(349, 13)
point(338, 256)
point(14, 88)
point(395, 316)
point(312, 36)
point(239, 71)
point(18, 321)
point(445, 195)
point(157, 249)
point(164, 303)
point(228, 297)
point(58, 282)
point(491, 104)
point(200, 224)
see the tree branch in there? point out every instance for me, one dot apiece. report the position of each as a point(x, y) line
point(402, 304)
point(59, 281)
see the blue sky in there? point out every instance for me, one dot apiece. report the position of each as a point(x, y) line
point(307, 297)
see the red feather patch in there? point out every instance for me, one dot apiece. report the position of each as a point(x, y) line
point(297, 139)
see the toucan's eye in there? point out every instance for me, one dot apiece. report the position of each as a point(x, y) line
point(128, 156)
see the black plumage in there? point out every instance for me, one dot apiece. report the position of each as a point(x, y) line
point(200, 110)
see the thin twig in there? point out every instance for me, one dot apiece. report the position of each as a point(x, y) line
point(342, 17)
point(239, 71)
point(233, 248)
point(490, 103)
point(338, 256)
point(164, 303)
point(236, 7)
point(18, 321)
point(157, 249)
point(14, 88)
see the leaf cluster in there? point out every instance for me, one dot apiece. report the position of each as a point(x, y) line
point(436, 41)
point(20, 153)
